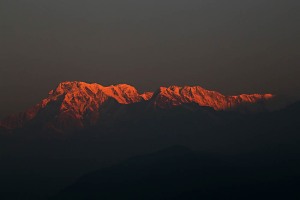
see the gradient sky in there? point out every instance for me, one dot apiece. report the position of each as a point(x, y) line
point(233, 46)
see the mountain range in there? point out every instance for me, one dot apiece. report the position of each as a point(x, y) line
point(77, 105)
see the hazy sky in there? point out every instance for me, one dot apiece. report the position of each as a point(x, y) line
point(233, 46)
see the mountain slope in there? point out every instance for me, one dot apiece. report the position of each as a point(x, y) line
point(72, 103)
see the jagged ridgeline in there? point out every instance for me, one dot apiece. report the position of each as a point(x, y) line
point(75, 105)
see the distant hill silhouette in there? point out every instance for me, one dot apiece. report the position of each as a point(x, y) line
point(177, 173)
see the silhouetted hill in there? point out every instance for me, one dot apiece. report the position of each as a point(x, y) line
point(177, 173)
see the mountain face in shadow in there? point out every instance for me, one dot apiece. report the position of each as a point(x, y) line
point(78, 105)
point(178, 173)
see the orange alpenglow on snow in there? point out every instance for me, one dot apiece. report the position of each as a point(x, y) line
point(175, 95)
point(76, 102)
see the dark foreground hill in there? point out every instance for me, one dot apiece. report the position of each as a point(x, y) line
point(177, 173)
